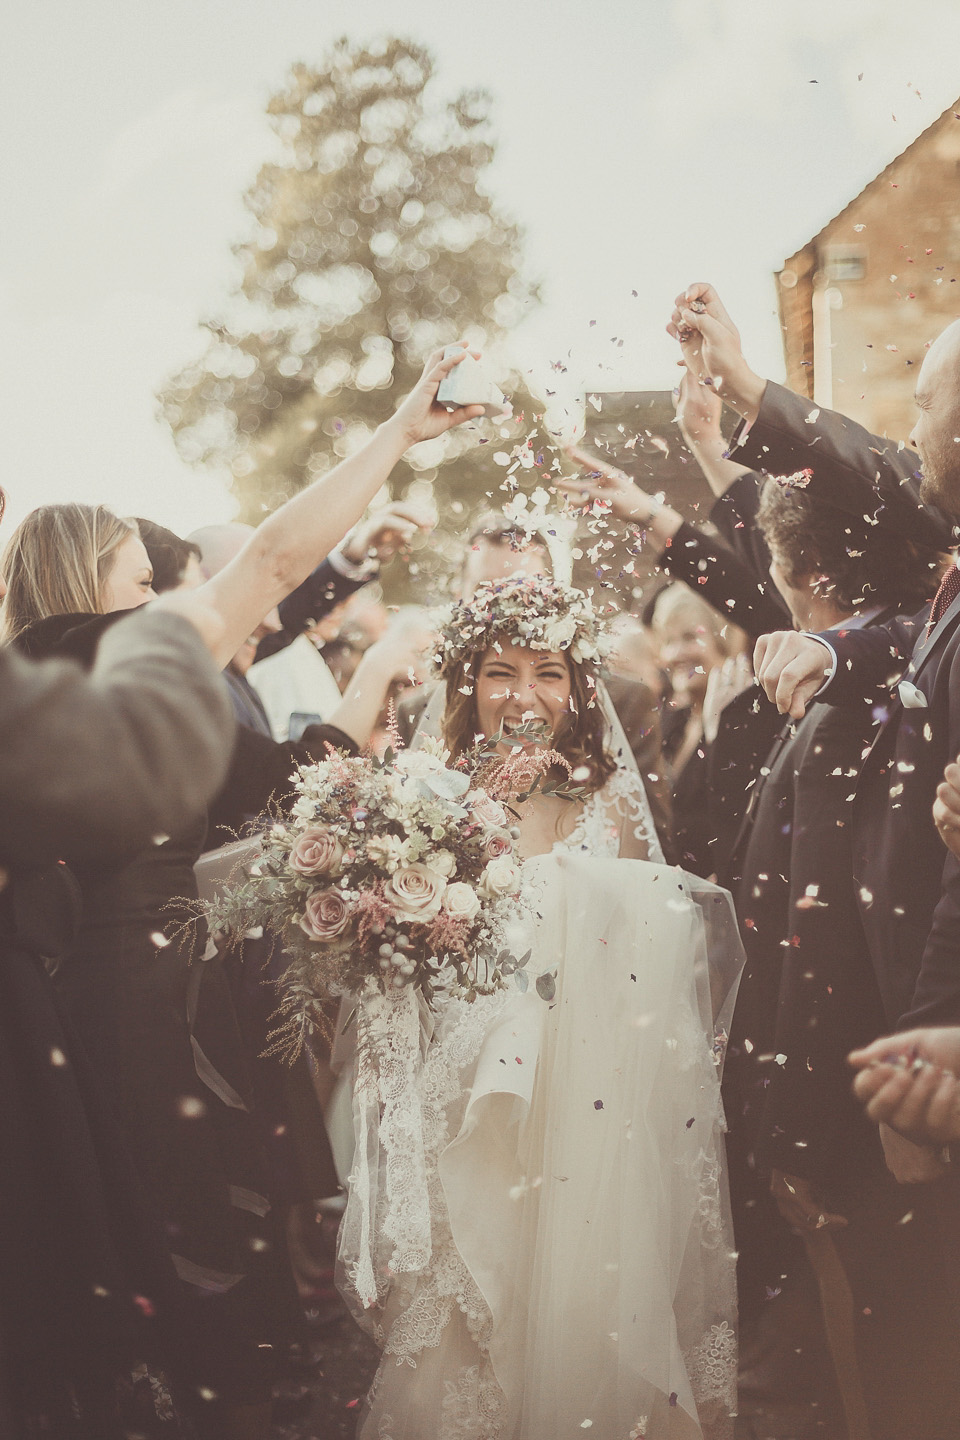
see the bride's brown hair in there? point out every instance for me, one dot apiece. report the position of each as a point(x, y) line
point(580, 733)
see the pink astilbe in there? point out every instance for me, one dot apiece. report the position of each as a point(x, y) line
point(448, 933)
point(373, 912)
point(519, 772)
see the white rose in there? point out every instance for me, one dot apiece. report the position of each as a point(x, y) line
point(443, 862)
point(501, 877)
point(461, 901)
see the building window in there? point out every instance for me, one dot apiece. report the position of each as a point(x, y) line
point(844, 262)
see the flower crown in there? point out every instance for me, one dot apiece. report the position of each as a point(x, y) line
point(531, 610)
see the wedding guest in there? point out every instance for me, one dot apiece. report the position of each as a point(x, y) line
point(694, 641)
point(737, 726)
point(348, 567)
point(175, 562)
point(94, 766)
point(635, 654)
point(909, 1081)
point(808, 993)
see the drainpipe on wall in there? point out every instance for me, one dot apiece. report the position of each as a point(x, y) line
point(825, 299)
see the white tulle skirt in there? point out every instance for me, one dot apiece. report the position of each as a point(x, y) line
point(537, 1229)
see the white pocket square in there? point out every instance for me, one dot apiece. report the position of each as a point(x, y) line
point(910, 697)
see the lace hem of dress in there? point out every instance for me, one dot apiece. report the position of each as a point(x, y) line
point(712, 1369)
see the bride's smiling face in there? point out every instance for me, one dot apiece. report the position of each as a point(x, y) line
point(520, 684)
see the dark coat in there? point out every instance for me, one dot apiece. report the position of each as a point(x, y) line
point(92, 768)
point(322, 591)
point(729, 572)
point(158, 1023)
point(906, 886)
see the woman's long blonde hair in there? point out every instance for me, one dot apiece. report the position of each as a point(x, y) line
point(57, 562)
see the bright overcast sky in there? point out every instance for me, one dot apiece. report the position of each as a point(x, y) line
point(642, 144)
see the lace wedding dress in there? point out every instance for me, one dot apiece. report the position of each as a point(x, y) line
point(537, 1230)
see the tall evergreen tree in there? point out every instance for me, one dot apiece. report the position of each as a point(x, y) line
point(373, 241)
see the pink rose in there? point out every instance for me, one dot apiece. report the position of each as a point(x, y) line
point(317, 852)
point(414, 892)
point(326, 915)
point(487, 811)
point(497, 844)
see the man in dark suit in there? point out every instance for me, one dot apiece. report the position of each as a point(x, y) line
point(808, 994)
point(495, 549)
point(909, 899)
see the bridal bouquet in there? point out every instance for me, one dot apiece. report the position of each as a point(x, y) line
point(388, 874)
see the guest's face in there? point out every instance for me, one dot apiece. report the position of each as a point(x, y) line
point(521, 684)
point(688, 652)
point(489, 563)
point(936, 433)
point(129, 581)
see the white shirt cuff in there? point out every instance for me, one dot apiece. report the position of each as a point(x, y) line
point(351, 570)
point(808, 635)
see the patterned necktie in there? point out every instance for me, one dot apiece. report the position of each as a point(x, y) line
point(945, 596)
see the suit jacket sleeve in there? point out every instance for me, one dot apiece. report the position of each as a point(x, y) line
point(95, 765)
point(870, 661)
point(322, 591)
point(733, 588)
point(735, 517)
point(936, 997)
point(862, 473)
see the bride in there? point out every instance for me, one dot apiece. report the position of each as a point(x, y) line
point(537, 1229)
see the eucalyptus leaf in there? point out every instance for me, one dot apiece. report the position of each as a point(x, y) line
point(546, 987)
point(523, 981)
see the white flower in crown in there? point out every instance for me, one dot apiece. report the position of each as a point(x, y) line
point(532, 609)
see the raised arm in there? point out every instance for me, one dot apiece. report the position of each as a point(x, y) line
point(285, 547)
point(353, 564)
point(699, 409)
point(784, 432)
point(688, 553)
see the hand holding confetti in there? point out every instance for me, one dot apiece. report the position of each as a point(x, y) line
point(711, 348)
point(909, 1083)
